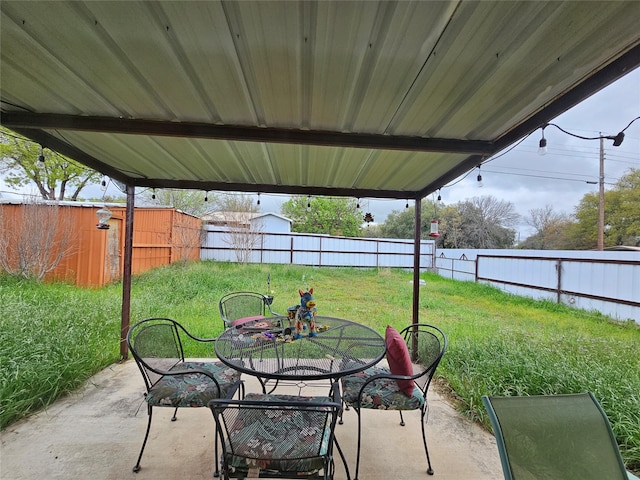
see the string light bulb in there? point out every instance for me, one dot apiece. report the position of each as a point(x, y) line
point(308, 203)
point(153, 195)
point(406, 204)
point(358, 204)
point(258, 202)
point(206, 196)
point(617, 140)
point(542, 146)
point(439, 196)
point(479, 177)
point(41, 156)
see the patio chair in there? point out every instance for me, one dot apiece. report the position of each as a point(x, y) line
point(277, 436)
point(239, 307)
point(549, 437)
point(157, 347)
point(399, 387)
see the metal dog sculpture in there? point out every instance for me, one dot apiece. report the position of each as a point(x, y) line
point(305, 314)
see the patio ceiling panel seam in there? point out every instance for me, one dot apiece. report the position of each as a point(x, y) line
point(54, 59)
point(122, 58)
point(174, 45)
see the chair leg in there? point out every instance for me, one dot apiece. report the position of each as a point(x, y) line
point(216, 471)
point(401, 419)
point(175, 413)
point(424, 441)
point(359, 440)
point(136, 468)
point(344, 459)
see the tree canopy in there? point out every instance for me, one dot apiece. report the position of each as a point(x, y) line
point(621, 215)
point(481, 222)
point(23, 162)
point(332, 216)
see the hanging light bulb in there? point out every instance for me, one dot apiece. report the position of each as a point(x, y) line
point(153, 195)
point(407, 204)
point(479, 178)
point(104, 183)
point(308, 203)
point(542, 146)
point(358, 204)
point(206, 196)
point(439, 196)
point(258, 202)
point(41, 156)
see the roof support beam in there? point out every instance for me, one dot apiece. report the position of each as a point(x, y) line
point(240, 133)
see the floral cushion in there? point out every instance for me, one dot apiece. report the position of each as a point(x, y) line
point(383, 394)
point(195, 389)
point(262, 441)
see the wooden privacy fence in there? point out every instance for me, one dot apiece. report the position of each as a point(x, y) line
point(607, 282)
point(220, 244)
point(93, 257)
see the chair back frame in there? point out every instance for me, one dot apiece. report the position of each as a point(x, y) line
point(156, 354)
point(237, 305)
point(327, 409)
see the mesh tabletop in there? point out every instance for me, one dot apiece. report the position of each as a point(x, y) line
point(341, 347)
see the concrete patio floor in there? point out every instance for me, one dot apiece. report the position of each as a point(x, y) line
point(97, 433)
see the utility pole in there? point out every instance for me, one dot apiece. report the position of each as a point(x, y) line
point(601, 199)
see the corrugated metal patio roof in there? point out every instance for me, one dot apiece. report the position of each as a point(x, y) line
point(365, 99)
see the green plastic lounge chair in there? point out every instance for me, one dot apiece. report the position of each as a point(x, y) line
point(555, 437)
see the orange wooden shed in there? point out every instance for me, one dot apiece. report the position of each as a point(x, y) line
point(161, 235)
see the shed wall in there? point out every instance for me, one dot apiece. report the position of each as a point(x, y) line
point(161, 236)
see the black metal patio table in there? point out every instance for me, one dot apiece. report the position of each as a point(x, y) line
point(265, 349)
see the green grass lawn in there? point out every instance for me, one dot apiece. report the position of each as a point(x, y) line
point(54, 337)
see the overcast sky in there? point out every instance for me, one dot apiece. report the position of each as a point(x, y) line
point(529, 180)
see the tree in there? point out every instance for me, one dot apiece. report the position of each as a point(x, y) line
point(332, 216)
point(623, 206)
point(187, 201)
point(21, 165)
point(450, 228)
point(486, 223)
point(621, 215)
point(552, 229)
point(34, 241)
point(482, 222)
point(234, 202)
point(401, 223)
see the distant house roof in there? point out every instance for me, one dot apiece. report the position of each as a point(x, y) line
point(237, 218)
point(271, 214)
point(228, 218)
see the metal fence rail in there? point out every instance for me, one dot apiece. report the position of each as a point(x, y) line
point(607, 282)
point(317, 250)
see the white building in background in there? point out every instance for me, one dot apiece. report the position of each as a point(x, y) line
point(271, 222)
point(263, 222)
